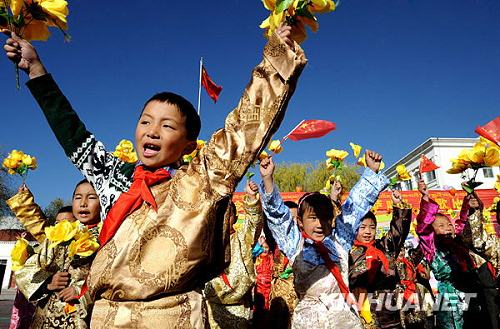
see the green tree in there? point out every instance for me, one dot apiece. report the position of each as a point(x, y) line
point(311, 177)
point(53, 207)
point(6, 192)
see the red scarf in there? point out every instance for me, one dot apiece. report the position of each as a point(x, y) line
point(409, 282)
point(127, 203)
point(333, 267)
point(132, 200)
point(373, 257)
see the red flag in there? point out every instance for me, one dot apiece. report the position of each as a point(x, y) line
point(311, 129)
point(490, 131)
point(212, 89)
point(427, 165)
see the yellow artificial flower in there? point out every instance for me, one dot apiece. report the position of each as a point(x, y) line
point(16, 155)
point(69, 308)
point(337, 154)
point(61, 232)
point(458, 166)
point(125, 151)
point(477, 153)
point(36, 31)
point(275, 147)
point(322, 6)
point(263, 155)
point(356, 149)
point(199, 145)
point(16, 6)
point(403, 173)
point(492, 157)
point(19, 254)
point(269, 4)
point(84, 245)
point(29, 161)
point(56, 9)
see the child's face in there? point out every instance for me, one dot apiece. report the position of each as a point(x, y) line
point(316, 227)
point(65, 216)
point(367, 230)
point(86, 205)
point(161, 136)
point(443, 226)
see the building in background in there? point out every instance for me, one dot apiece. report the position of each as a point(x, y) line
point(441, 151)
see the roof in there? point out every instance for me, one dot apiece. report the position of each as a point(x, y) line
point(13, 235)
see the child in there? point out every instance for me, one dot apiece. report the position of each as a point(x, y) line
point(229, 295)
point(133, 280)
point(50, 279)
point(264, 264)
point(318, 252)
point(459, 271)
point(372, 262)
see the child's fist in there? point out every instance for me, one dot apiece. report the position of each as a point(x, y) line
point(373, 160)
point(251, 188)
point(267, 167)
point(422, 188)
point(396, 197)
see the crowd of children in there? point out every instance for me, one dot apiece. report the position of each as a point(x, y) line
point(170, 254)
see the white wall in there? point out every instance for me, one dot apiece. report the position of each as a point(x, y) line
point(5, 249)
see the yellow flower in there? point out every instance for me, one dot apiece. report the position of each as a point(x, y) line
point(61, 232)
point(458, 166)
point(200, 144)
point(16, 155)
point(29, 161)
point(356, 149)
point(477, 153)
point(69, 308)
point(125, 151)
point(492, 157)
point(56, 9)
point(275, 147)
point(16, 6)
point(322, 6)
point(189, 157)
point(263, 155)
point(20, 254)
point(84, 245)
point(337, 154)
point(403, 173)
point(269, 4)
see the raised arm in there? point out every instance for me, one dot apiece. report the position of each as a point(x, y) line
point(258, 115)
point(29, 213)
point(361, 199)
point(425, 218)
point(279, 218)
point(106, 173)
point(394, 239)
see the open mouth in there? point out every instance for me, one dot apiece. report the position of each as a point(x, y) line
point(84, 213)
point(151, 149)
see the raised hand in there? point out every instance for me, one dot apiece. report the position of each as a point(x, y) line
point(251, 188)
point(373, 160)
point(336, 191)
point(67, 294)
point(396, 197)
point(266, 172)
point(284, 31)
point(422, 188)
point(23, 54)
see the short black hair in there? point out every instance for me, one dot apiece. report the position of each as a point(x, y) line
point(65, 209)
point(193, 122)
point(320, 203)
point(291, 205)
point(83, 181)
point(370, 215)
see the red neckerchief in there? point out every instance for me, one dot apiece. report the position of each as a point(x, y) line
point(131, 200)
point(332, 266)
point(409, 282)
point(373, 257)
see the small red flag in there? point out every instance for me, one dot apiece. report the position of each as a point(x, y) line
point(490, 131)
point(427, 165)
point(212, 89)
point(311, 129)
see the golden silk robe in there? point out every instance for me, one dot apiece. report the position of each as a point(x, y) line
point(152, 271)
point(38, 270)
point(229, 306)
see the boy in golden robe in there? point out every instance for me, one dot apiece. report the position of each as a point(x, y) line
point(164, 233)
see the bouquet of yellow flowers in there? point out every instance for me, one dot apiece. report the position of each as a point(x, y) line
point(483, 154)
point(297, 13)
point(31, 19)
point(17, 162)
point(125, 151)
point(402, 175)
point(81, 243)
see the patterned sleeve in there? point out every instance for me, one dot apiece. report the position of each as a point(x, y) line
point(487, 245)
point(280, 221)
point(361, 199)
point(425, 232)
point(29, 214)
point(106, 173)
point(249, 127)
point(394, 239)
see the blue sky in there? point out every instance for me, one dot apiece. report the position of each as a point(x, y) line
point(390, 73)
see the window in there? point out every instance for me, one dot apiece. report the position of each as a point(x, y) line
point(430, 176)
point(409, 185)
point(488, 172)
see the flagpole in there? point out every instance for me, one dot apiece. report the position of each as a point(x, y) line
point(199, 85)
point(286, 136)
